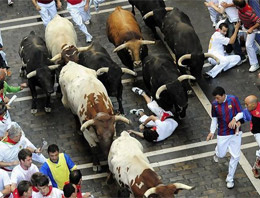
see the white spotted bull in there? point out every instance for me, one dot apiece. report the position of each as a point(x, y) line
point(132, 170)
point(87, 98)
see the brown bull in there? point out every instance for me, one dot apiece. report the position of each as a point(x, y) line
point(124, 32)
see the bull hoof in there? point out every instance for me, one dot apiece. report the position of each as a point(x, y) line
point(22, 73)
point(97, 168)
point(47, 109)
point(189, 92)
point(33, 111)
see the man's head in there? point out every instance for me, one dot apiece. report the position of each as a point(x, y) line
point(25, 158)
point(251, 102)
point(53, 152)
point(75, 177)
point(150, 134)
point(24, 189)
point(70, 190)
point(3, 109)
point(15, 132)
point(223, 28)
point(35, 177)
point(42, 184)
point(239, 3)
point(219, 94)
point(2, 74)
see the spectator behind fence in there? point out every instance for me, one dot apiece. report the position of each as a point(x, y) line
point(12, 144)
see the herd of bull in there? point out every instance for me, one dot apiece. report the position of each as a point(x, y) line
point(87, 76)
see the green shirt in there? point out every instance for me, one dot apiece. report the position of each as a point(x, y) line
point(10, 89)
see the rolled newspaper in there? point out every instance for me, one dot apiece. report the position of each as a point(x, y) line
point(12, 99)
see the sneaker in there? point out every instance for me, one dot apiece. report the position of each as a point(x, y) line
point(87, 22)
point(230, 185)
point(137, 90)
point(255, 172)
point(253, 68)
point(10, 3)
point(136, 111)
point(243, 60)
point(257, 163)
point(89, 40)
point(215, 158)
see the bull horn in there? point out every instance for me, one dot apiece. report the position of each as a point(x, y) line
point(149, 192)
point(186, 77)
point(148, 15)
point(102, 70)
point(52, 67)
point(183, 186)
point(55, 58)
point(184, 57)
point(168, 9)
point(31, 74)
point(122, 118)
point(208, 55)
point(146, 42)
point(128, 71)
point(159, 91)
point(87, 124)
point(82, 49)
point(120, 47)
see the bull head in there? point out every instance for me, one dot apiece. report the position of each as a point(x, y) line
point(134, 48)
point(69, 52)
point(163, 191)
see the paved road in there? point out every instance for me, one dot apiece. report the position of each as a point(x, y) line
point(185, 156)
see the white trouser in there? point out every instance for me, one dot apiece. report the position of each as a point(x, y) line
point(47, 12)
point(257, 139)
point(157, 110)
point(251, 48)
point(96, 2)
point(1, 40)
point(79, 16)
point(231, 144)
point(226, 62)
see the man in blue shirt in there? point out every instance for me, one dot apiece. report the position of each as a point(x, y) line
point(224, 108)
point(57, 167)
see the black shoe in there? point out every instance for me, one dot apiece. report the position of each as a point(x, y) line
point(206, 76)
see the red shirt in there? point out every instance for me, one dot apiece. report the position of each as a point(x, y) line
point(16, 194)
point(248, 16)
point(45, 1)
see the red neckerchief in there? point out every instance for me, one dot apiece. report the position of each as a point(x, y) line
point(35, 189)
point(256, 112)
point(50, 189)
point(16, 194)
point(2, 96)
point(79, 194)
point(164, 116)
point(246, 8)
point(2, 118)
point(7, 139)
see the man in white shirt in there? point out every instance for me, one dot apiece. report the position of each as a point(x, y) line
point(5, 119)
point(11, 146)
point(216, 47)
point(227, 6)
point(24, 170)
point(45, 190)
point(5, 183)
point(155, 128)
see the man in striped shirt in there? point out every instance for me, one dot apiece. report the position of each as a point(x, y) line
point(251, 23)
point(224, 108)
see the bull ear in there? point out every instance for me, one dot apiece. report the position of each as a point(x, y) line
point(52, 67)
point(102, 70)
point(31, 74)
point(87, 124)
point(128, 71)
point(122, 118)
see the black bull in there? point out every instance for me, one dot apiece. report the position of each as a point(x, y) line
point(162, 79)
point(39, 68)
point(181, 37)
